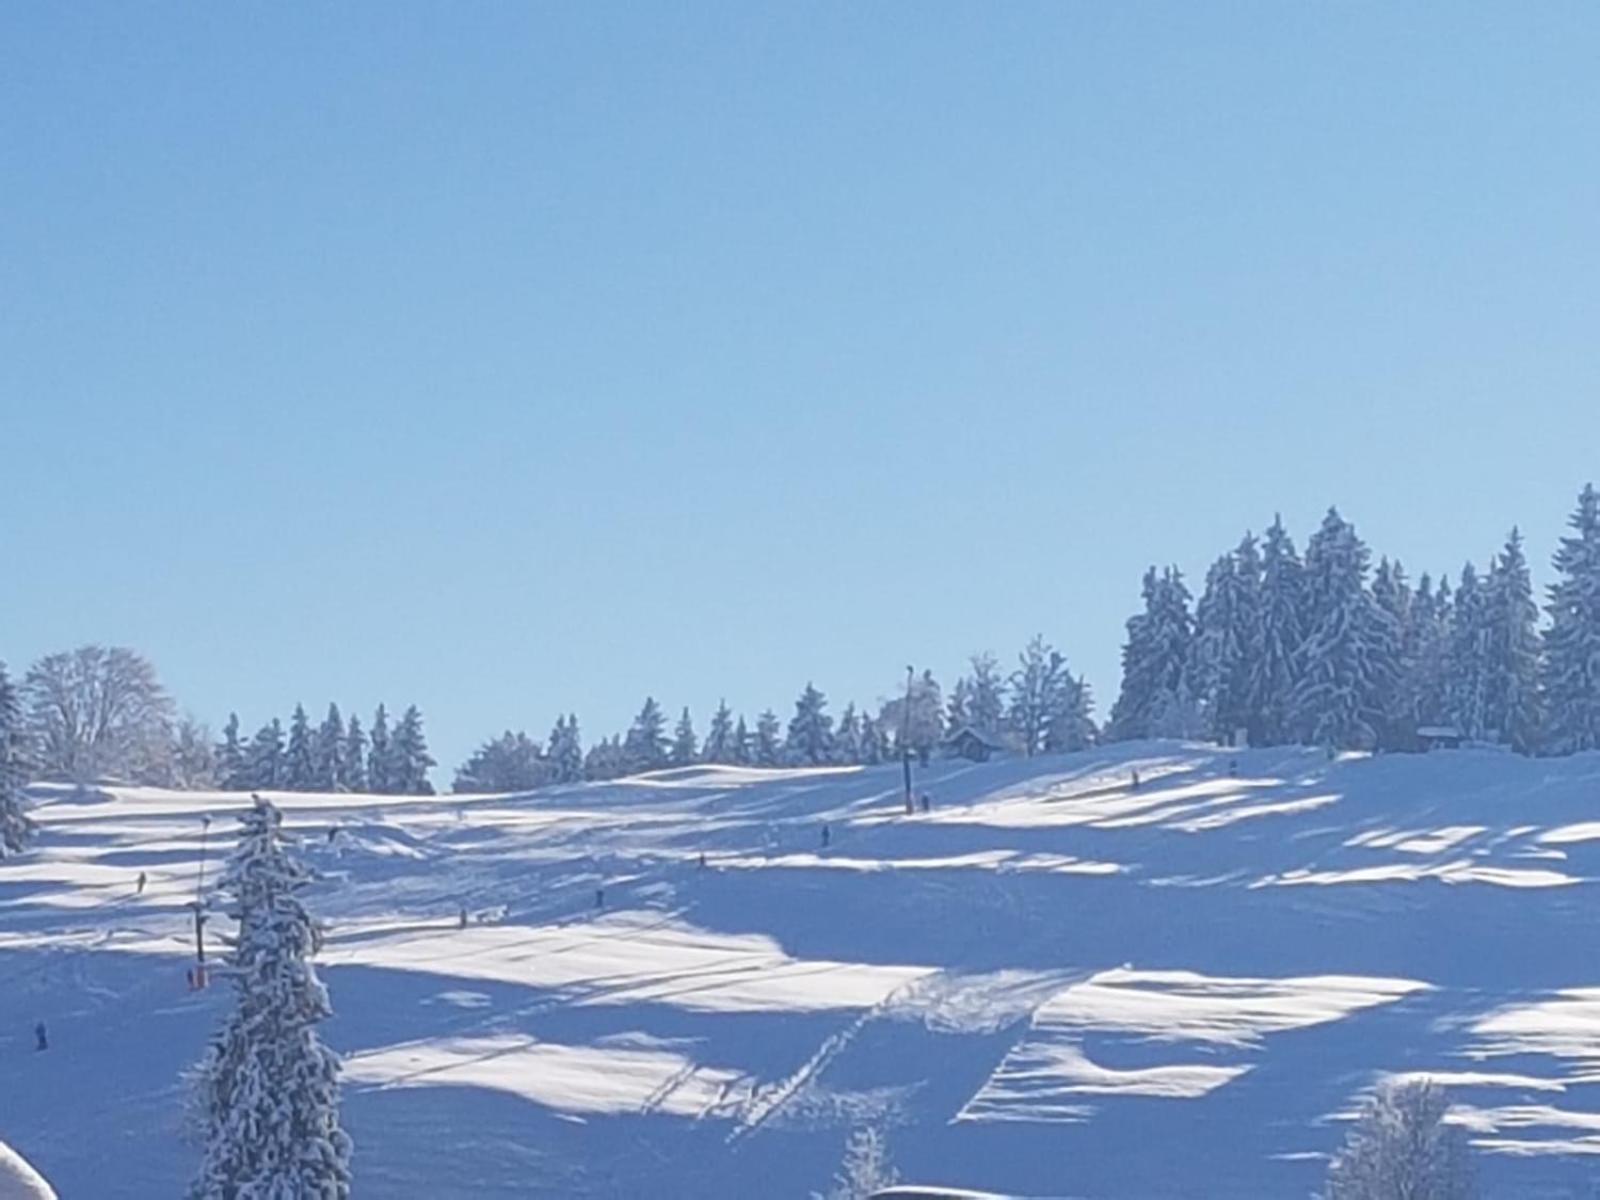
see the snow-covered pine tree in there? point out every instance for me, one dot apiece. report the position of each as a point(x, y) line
point(1571, 674)
point(685, 746)
point(1512, 668)
point(1224, 620)
point(742, 748)
point(264, 766)
point(1157, 698)
point(509, 763)
point(16, 830)
point(847, 741)
point(231, 757)
point(300, 764)
point(866, 1168)
point(986, 695)
point(328, 753)
point(1392, 594)
point(606, 760)
point(955, 712)
point(646, 744)
point(192, 762)
point(766, 748)
point(872, 741)
point(353, 761)
point(1072, 727)
point(718, 746)
point(1401, 1149)
point(565, 753)
point(810, 739)
point(380, 755)
point(1041, 692)
point(270, 1087)
point(1274, 651)
point(1346, 662)
point(409, 755)
point(1466, 675)
point(919, 728)
point(1427, 655)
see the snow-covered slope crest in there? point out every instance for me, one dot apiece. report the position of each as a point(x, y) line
point(18, 1179)
point(1054, 983)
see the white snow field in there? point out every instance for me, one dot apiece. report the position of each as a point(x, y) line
point(1050, 985)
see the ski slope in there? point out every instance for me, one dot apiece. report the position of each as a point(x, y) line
point(1050, 985)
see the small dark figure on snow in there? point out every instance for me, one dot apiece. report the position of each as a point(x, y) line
point(1136, 781)
point(141, 883)
point(463, 918)
point(42, 1036)
point(333, 832)
point(599, 897)
point(702, 860)
point(825, 836)
point(927, 804)
point(1233, 766)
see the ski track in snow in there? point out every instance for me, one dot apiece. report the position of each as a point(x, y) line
point(1051, 966)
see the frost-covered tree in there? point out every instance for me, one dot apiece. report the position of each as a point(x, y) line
point(646, 745)
point(16, 830)
point(873, 747)
point(1042, 693)
point(98, 713)
point(1225, 622)
point(565, 752)
point(1392, 594)
point(193, 758)
point(328, 753)
point(1157, 699)
point(916, 728)
point(810, 739)
point(1072, 727)
point(230, 756)
point(606, 760)
point(264, 765)
point(380, 755)
point(742, 748)
point(1274, 651)
point(300, 760)
point(955, 712)
point(719, 746)
point(866, 1168)
point(847, 741)
point(270, 1088)
point(1512, 648)
point(766, 749)
point(1571, 674)
point(1345, 665)
point(1401, 1149)
point(409, 756)
point(685, 746)
point(986, 704)
point(1466, 677)
point(1427, 658)
point(508, 763)
point(353, 760)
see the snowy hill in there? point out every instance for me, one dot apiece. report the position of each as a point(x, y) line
point(1053, 984)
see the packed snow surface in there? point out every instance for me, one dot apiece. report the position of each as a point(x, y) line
point(1052, 984)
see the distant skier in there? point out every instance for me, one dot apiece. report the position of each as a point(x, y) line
point(462, 919)
point(333, 832)
point(599, 897)
point(140, 892)
point(42, 1036)
point(825, 837)
point(1136, 781)
point(927, 804)
point(702, 860)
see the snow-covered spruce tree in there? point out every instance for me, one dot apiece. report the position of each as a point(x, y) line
point(328, 753)
point(1401, 1149)
point(866, 1168)
point(743, 750)
point(646, 746)
point(230, 757)
point(1346, 662)
point(1072, 727)
point(1274, 651)
point(1391, 592)
point(718, 746)
point(685, 746)
point(1466, 676)
point(1427, 658)
point(264, 762)
point(766, 750)
point(810, 739)
point(872, 747)
point(353, 760)
point(986, 696)
point(565, 751)
point(380, 755)
point(270, 1087)
point(16, 830)
point(300, 763)
point(408, 750)
point(1512, 668)
point(1572, 639)
point(1041, 692)
point(508, 763)
point(1224, 620)
point(847, 741)
point(955, 711)
point(606, 760)
point(193, 758)
point(1157, 698)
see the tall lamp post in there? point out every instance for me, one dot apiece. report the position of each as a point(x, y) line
point(199, 908)
point(905, 740)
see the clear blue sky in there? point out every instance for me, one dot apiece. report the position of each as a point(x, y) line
point(512, 358)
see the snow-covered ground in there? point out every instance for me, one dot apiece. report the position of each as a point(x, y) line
point(1050, 985)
